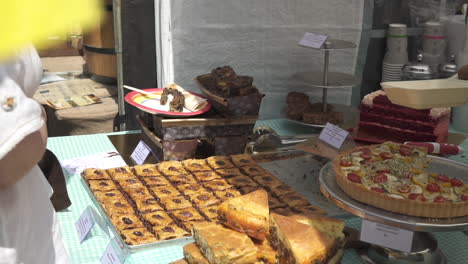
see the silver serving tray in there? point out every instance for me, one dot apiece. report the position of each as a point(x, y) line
point(452, 168)
point(131, 248)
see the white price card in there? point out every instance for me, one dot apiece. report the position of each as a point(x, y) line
point(386, 236)
point(102, 160)
point(85, 223)
point(113, 254)
point(140, 153)
point(313, 40)
point(333, 135)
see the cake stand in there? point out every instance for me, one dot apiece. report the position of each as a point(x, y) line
point(424, 246)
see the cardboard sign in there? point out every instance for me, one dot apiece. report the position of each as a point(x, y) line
point(313, 40)
point(84, 224)
point(333, 135)
point(140, 153)
point(386, 236)
point(113, 254)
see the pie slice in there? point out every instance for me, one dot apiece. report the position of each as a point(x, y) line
point(299, 243)
point(221, 245)
point(247, 214)
point(193, 255)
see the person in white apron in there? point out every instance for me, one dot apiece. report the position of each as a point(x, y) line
point(29, 231)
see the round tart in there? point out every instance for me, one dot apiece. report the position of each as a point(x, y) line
point(392, 176)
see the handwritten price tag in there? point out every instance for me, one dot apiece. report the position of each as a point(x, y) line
point(84, 224)
point(333, 135)
point(386, 236)
point(313, 40)
point(113, 254)
point(140, 153)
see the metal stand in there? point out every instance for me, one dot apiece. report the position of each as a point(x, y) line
point(424, 247)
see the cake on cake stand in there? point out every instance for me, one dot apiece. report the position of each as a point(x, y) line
point(329, 80)
point(424, 245)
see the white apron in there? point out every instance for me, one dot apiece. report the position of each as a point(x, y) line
point(29, 233)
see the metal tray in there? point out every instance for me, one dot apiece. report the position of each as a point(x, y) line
point(423, 224)
point(130, 248)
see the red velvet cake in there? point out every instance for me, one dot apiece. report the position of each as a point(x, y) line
point(380, 117)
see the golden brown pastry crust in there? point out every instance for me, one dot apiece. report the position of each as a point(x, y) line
point(227, 194)
point(187, 214)
point(249, 189)
point(95, 174)
point(171, 231)
point(242, 160)
point(171, 168)
point(136, 193)
point(247, 214)
point(175, 202)
point(403, 206)
point(102, 185)
point(203, 199)
point(294, 200)
point(217, 185)
point(138, 236)
point(194, 165)
point(146, 170)
point(130, 181)
point(275, 203)
point(211, 212)
point(281, 190)
point(147, 205)
point(241, 181)
point(113, 195)
point(228, 172)
point(126, 221)
point(254, 170)
point(206, 175)
point(188, 189)
point(265, 253)
point(117, 207)
point(152, 181)
point(193, 254)
point(219, 162)
point(268, 181)
point(165, 191)
point(181, 179)
point(306, 244)
point(211, 239)
point(158, 218)
point(119, 170)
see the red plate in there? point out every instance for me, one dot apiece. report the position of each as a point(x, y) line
point(152, 105)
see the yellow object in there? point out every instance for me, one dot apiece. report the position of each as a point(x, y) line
point(28, 21)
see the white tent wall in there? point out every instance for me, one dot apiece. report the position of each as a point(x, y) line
point(257, 38)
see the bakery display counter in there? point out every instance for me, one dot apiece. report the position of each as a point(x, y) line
point(299, 176)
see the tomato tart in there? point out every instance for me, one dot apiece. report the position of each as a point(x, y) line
point(392, 176)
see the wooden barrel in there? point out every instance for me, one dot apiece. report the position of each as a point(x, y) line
point(99, 48)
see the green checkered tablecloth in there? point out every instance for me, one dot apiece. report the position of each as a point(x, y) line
point(91, 250)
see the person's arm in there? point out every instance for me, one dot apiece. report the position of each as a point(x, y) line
point(23, 157)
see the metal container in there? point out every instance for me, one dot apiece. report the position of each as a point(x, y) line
point(420, 70)
point(448, 69)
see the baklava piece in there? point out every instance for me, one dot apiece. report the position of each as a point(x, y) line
point(138, 236)
point(158, 218)
point(136, 193)
point(170, 232)
point(254, 170)
point(203, 199)
point(102, 185)
point(211, 212)
point(189, 225)
point(281, 190)
point(249, 189)
point(181, 179)
point(242, 160)
point(187, 214)
point(120, 170)
point(126, 221)
point(134, 182)
point(146, 170)
point(227, 194)
point(147, 205)
point(286, 211)
point(229, 172)
point(175, 202)
point(206, 175)
point(152, 181)
point(193, 254)
point(171, 168)
point(275, 203)
point(118, 207)
point(165, 191)
point(219, 162)
point(217, 185)
point(113, 195)
point(188, 189)
point(95, 174)
point(242, 181)
point(268, 181)
point(195, 165)
point(295, 200)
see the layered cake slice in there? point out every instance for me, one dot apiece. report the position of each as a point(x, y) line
point(379, 116)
